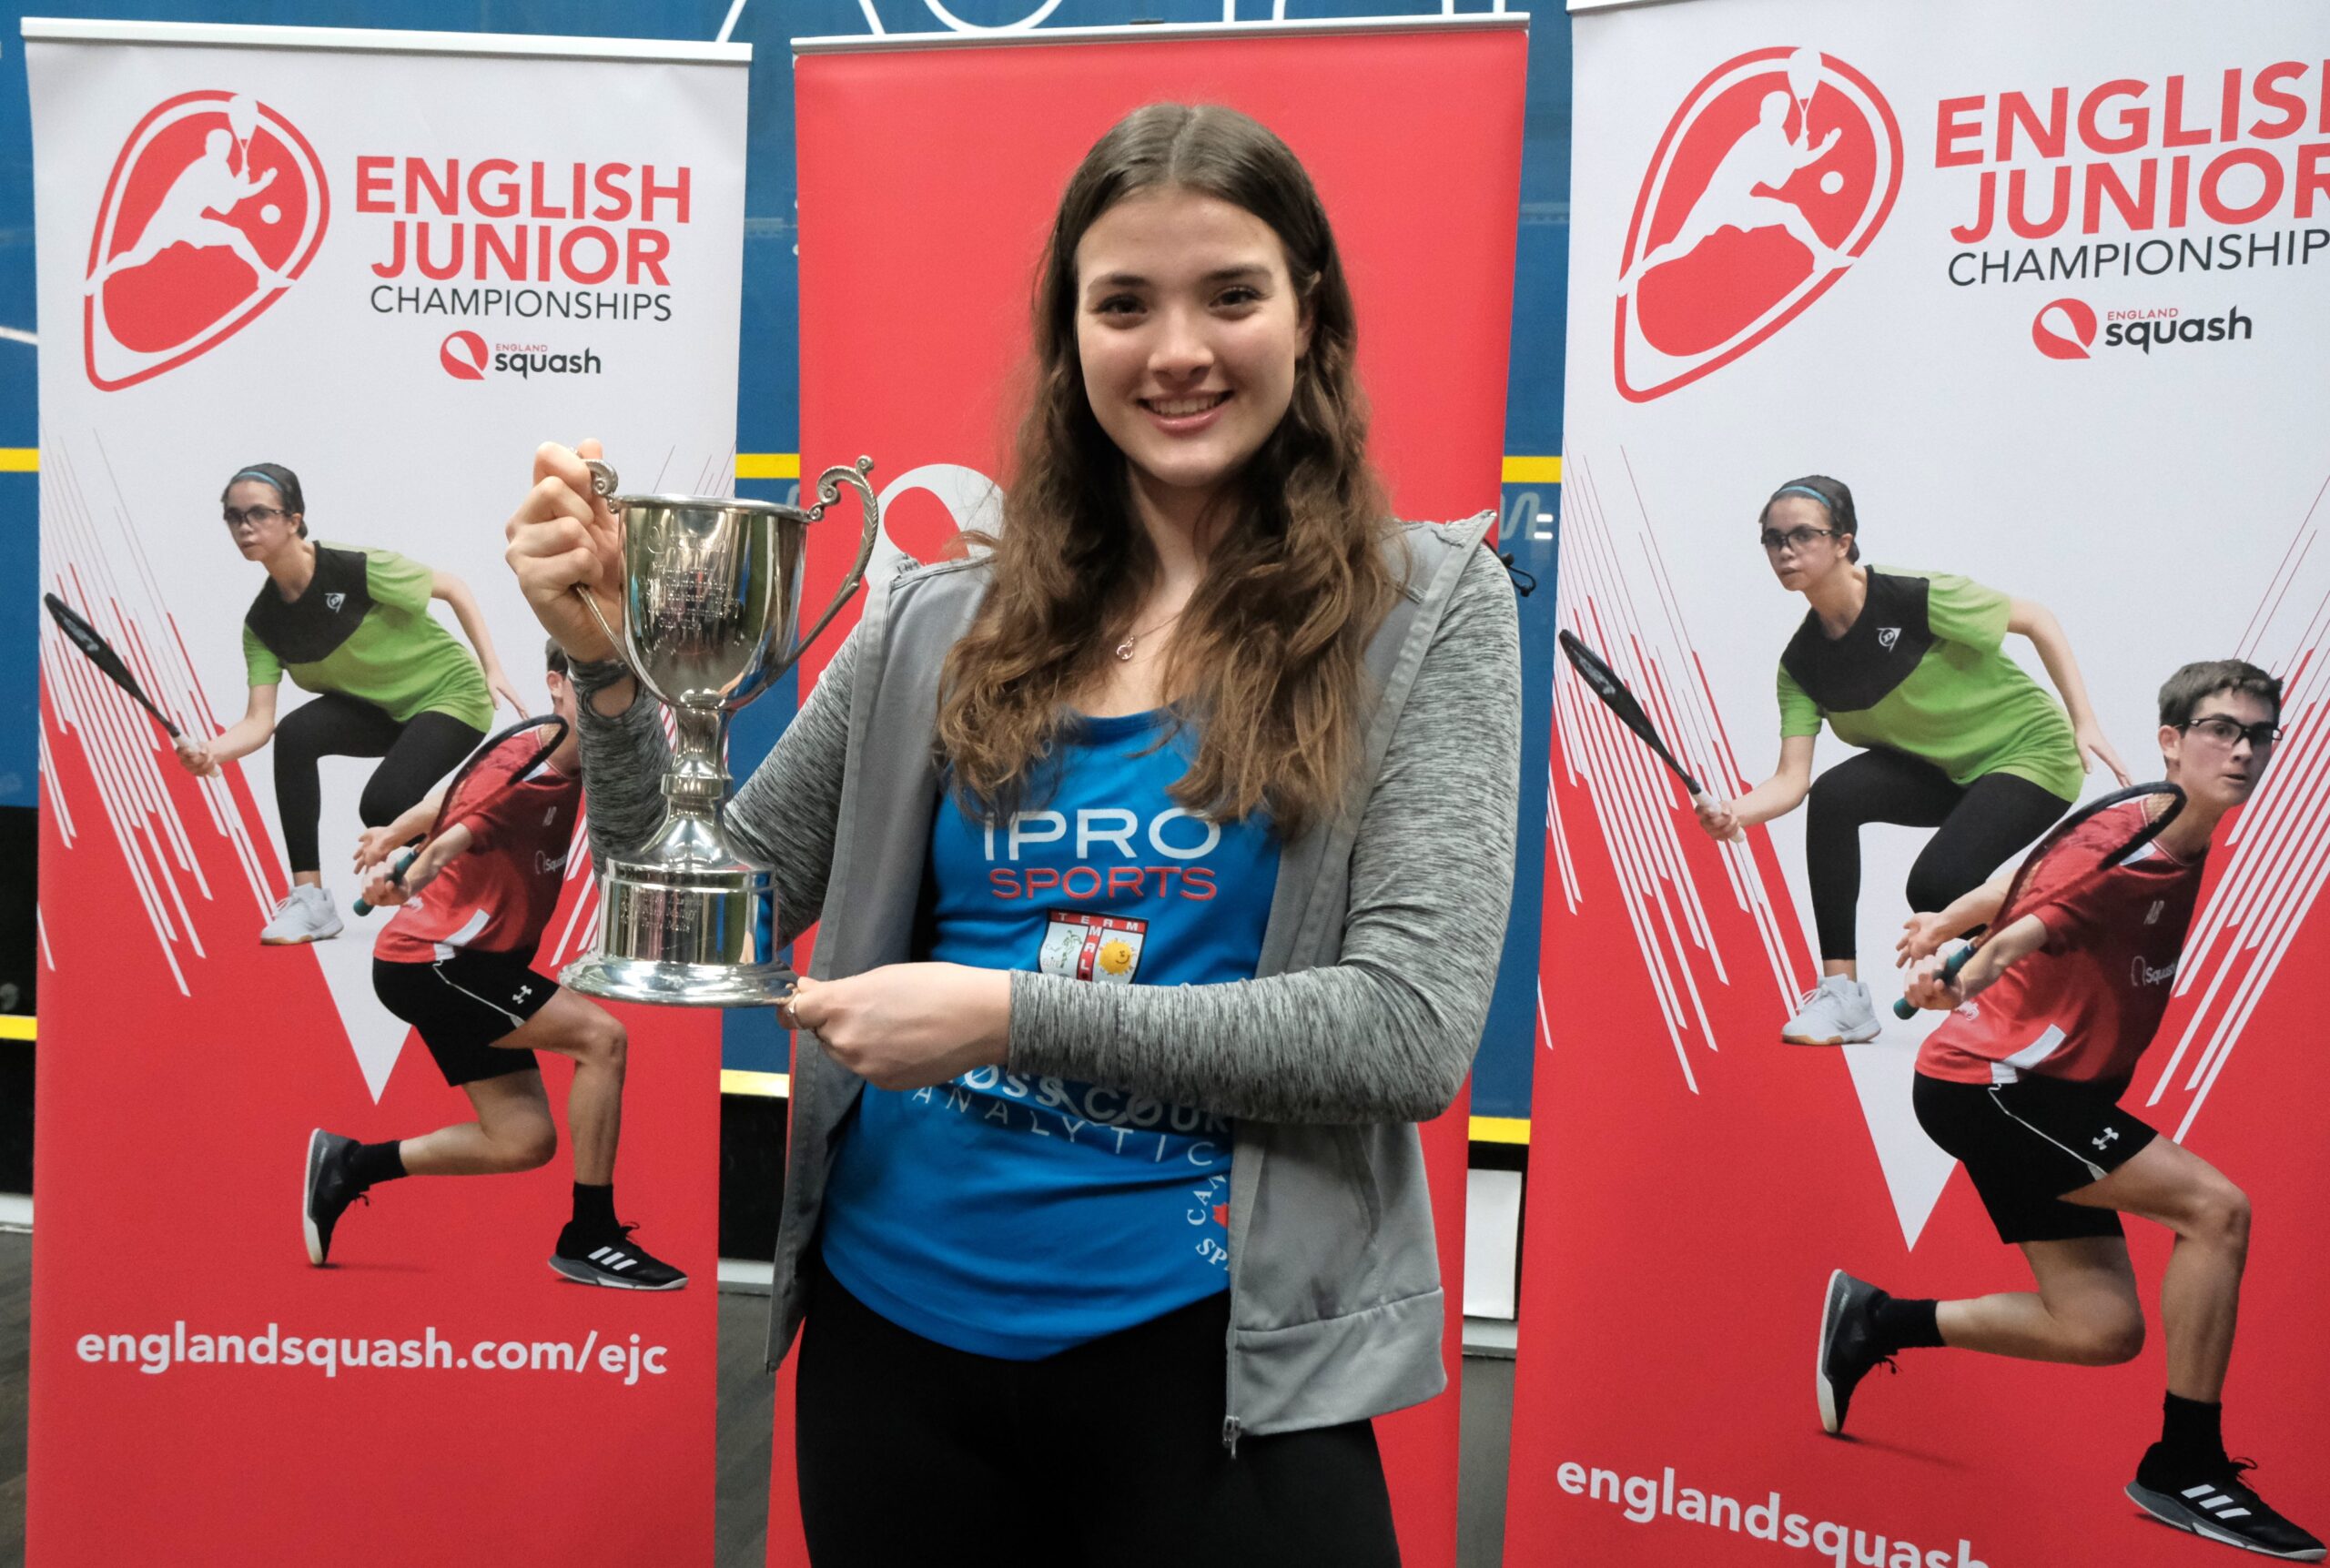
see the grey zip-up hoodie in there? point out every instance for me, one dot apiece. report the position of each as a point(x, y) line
point(1377, 962)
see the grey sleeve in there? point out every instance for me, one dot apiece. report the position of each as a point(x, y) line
point(1387, 1033)
point(624, 758)
point(784, 814)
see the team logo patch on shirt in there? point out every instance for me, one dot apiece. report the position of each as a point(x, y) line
point(332, 601)
point(1887, 636)
point(1103, 947)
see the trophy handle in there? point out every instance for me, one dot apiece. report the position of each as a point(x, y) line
point(829, 485)
point(614, 639)
point(602, 485)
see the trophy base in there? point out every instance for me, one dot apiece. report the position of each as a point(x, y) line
point(687, 933)
point(678, 985)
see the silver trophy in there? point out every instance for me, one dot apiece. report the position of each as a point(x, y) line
point(711, 606)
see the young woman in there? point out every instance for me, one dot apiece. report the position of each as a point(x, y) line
point(1913, 667)
point(353, 625)
point(1162, 851)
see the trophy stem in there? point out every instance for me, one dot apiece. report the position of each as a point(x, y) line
point(697, 781)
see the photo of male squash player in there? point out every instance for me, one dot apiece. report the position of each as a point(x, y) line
point(456, 964)
point(2021, 1085)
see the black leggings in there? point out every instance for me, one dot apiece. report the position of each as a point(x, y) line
point(1109, 1453)
point(418, 753)
point(1980, 825)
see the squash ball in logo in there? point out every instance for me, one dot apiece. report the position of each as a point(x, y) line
point(1771, 179)
point(215, 207)
point(463, 356)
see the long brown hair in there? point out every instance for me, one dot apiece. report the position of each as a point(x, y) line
point(1267, 663)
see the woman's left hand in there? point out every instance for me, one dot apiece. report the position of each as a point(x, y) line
point(497, 680)
point(908, 1026)
point(2092, 744)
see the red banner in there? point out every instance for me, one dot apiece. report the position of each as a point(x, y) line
point(928, 177)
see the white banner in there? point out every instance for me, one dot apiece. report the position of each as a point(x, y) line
point(2049, 287)
point(2063, 334)
point(392, 263)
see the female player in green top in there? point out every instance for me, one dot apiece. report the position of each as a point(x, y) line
point(353, 625)
point(1912, 667)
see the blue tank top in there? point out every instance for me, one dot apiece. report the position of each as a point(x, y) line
point(1016, 1216)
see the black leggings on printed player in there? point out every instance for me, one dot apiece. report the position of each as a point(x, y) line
point(415, 754)
point(1980, 826)
point(1108, 1453)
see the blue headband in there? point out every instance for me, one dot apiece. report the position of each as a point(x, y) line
point(262, 478)
point(1805, 489)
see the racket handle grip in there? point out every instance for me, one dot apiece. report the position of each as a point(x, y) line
point(1707, 803)
point(1905, 1009)
point(405, 857)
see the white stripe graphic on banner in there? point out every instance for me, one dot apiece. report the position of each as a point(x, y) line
point(1609, 572)
point(1638, 804)
point(2280, 848)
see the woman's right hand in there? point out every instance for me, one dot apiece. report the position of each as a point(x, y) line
point(563, 536)
point(1719, 818)
point(195, 757)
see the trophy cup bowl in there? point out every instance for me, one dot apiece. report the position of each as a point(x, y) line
point(711, 598)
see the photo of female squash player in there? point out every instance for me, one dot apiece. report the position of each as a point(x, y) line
point(352, 624)
point(1162, 848)
point(1912, 667)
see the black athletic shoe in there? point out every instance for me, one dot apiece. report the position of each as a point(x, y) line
point(608, 1258)
point(2212, 1502)
point(329, 1191)
point(1848, 1346)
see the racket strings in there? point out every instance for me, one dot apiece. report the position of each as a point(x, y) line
point(2160, 804)
point(493, 746)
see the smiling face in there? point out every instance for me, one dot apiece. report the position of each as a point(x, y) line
point(2217, 774)
point(1188, 332)
point(258, 537)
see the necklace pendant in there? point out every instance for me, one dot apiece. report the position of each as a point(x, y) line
point(1124, 650)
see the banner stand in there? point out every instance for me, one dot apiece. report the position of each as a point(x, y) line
point(389, 263)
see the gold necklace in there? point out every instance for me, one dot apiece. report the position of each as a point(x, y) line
point(1124, 649)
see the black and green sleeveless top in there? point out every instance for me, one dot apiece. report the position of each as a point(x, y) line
point(1924, 670)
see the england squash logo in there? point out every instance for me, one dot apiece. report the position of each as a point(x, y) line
point(214, 207)
point(1772, 178)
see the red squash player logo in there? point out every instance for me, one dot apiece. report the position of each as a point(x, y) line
point(215, 204)
point(1773, 177)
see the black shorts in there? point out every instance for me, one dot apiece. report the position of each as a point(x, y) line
point(462, 1005)
point(2029, 1142)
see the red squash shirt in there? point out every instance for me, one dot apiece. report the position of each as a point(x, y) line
point(496, 897)
point(2084, 1005)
